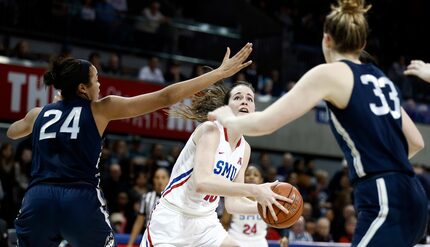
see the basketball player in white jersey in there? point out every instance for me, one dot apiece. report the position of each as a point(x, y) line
point(212, 164)
point(248, 230)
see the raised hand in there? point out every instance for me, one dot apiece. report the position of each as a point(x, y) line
point(231, 66)
point(420, 69)
point(221, 114)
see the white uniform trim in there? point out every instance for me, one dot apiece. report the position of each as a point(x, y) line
point(382, 215)
point(354, 152)
point(103, 206)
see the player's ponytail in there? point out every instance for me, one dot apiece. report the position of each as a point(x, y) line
point(66, 75)
point(347, 25)
point(202, 103)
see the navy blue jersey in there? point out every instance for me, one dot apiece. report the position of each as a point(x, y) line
point(66, 143)
point(369, 129)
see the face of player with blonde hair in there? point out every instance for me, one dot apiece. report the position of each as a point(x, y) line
point(241, 100)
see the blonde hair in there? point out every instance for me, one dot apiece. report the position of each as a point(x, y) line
point(347, 25)
point(206, 101)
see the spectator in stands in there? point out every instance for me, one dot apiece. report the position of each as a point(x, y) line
point(152, 71)
point(322, 233)
point(265, 94)
point(173, 154)
point(199, 70)
point(22, 50)
point(157, 158)
point(119, 5)
point(95, 59)
point(113, 185)
point(124, 206)
point(251, 75)
point(88, 13)
point(23, 169)
point(153, 18)
point(286, 166)
point(298, 232)
point(350, 224)
point(174, 73)
point(148, 202)
point(114, 65)
point(9, 183)
point(140, 186)
point(3, 233)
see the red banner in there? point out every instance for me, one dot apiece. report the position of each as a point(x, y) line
point(21, 90)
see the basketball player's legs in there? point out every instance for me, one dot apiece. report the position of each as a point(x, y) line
point(229, 242)
point(208, 231)
point(85, 217)
point(384, 219)
point(251, 242)
point(167, 228)
point(37, 221)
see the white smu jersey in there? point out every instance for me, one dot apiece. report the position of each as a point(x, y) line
point(247, 227)
point(180, 194)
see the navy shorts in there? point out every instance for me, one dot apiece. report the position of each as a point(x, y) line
point(53, 212)
point(392, 211)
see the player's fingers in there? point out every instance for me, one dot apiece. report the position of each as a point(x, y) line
point(417, 62)
point(410, 72)
point(281, 207)
point(264, 211)
point(283, 198)
point(244, 52)
point(272, 211)
point(227, 54)
point(244, 65)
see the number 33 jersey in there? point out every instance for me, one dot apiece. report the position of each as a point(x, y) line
point(181, 193)
point(66, 143)
point(369, 129)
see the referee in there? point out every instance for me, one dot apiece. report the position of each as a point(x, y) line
point(148, 202)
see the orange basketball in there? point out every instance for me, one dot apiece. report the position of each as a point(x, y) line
point(295, 209)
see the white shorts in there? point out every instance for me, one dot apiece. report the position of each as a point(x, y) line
point(251, 242)
point(171, 228)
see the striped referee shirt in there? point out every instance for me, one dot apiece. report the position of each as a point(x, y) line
point(147, 204)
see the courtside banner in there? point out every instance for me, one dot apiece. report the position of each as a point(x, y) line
point(21, 89)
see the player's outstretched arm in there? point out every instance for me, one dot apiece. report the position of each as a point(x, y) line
point(420, 69)
point(116, 107)
point(314, 86)
point(24, 126)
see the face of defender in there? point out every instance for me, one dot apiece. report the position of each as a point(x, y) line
point(241, 100)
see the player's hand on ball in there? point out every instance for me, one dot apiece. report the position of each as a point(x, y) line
point(267, 198)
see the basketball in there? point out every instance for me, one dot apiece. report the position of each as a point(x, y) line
point(295, 209)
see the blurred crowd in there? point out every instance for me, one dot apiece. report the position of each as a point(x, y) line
point(127, 172)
